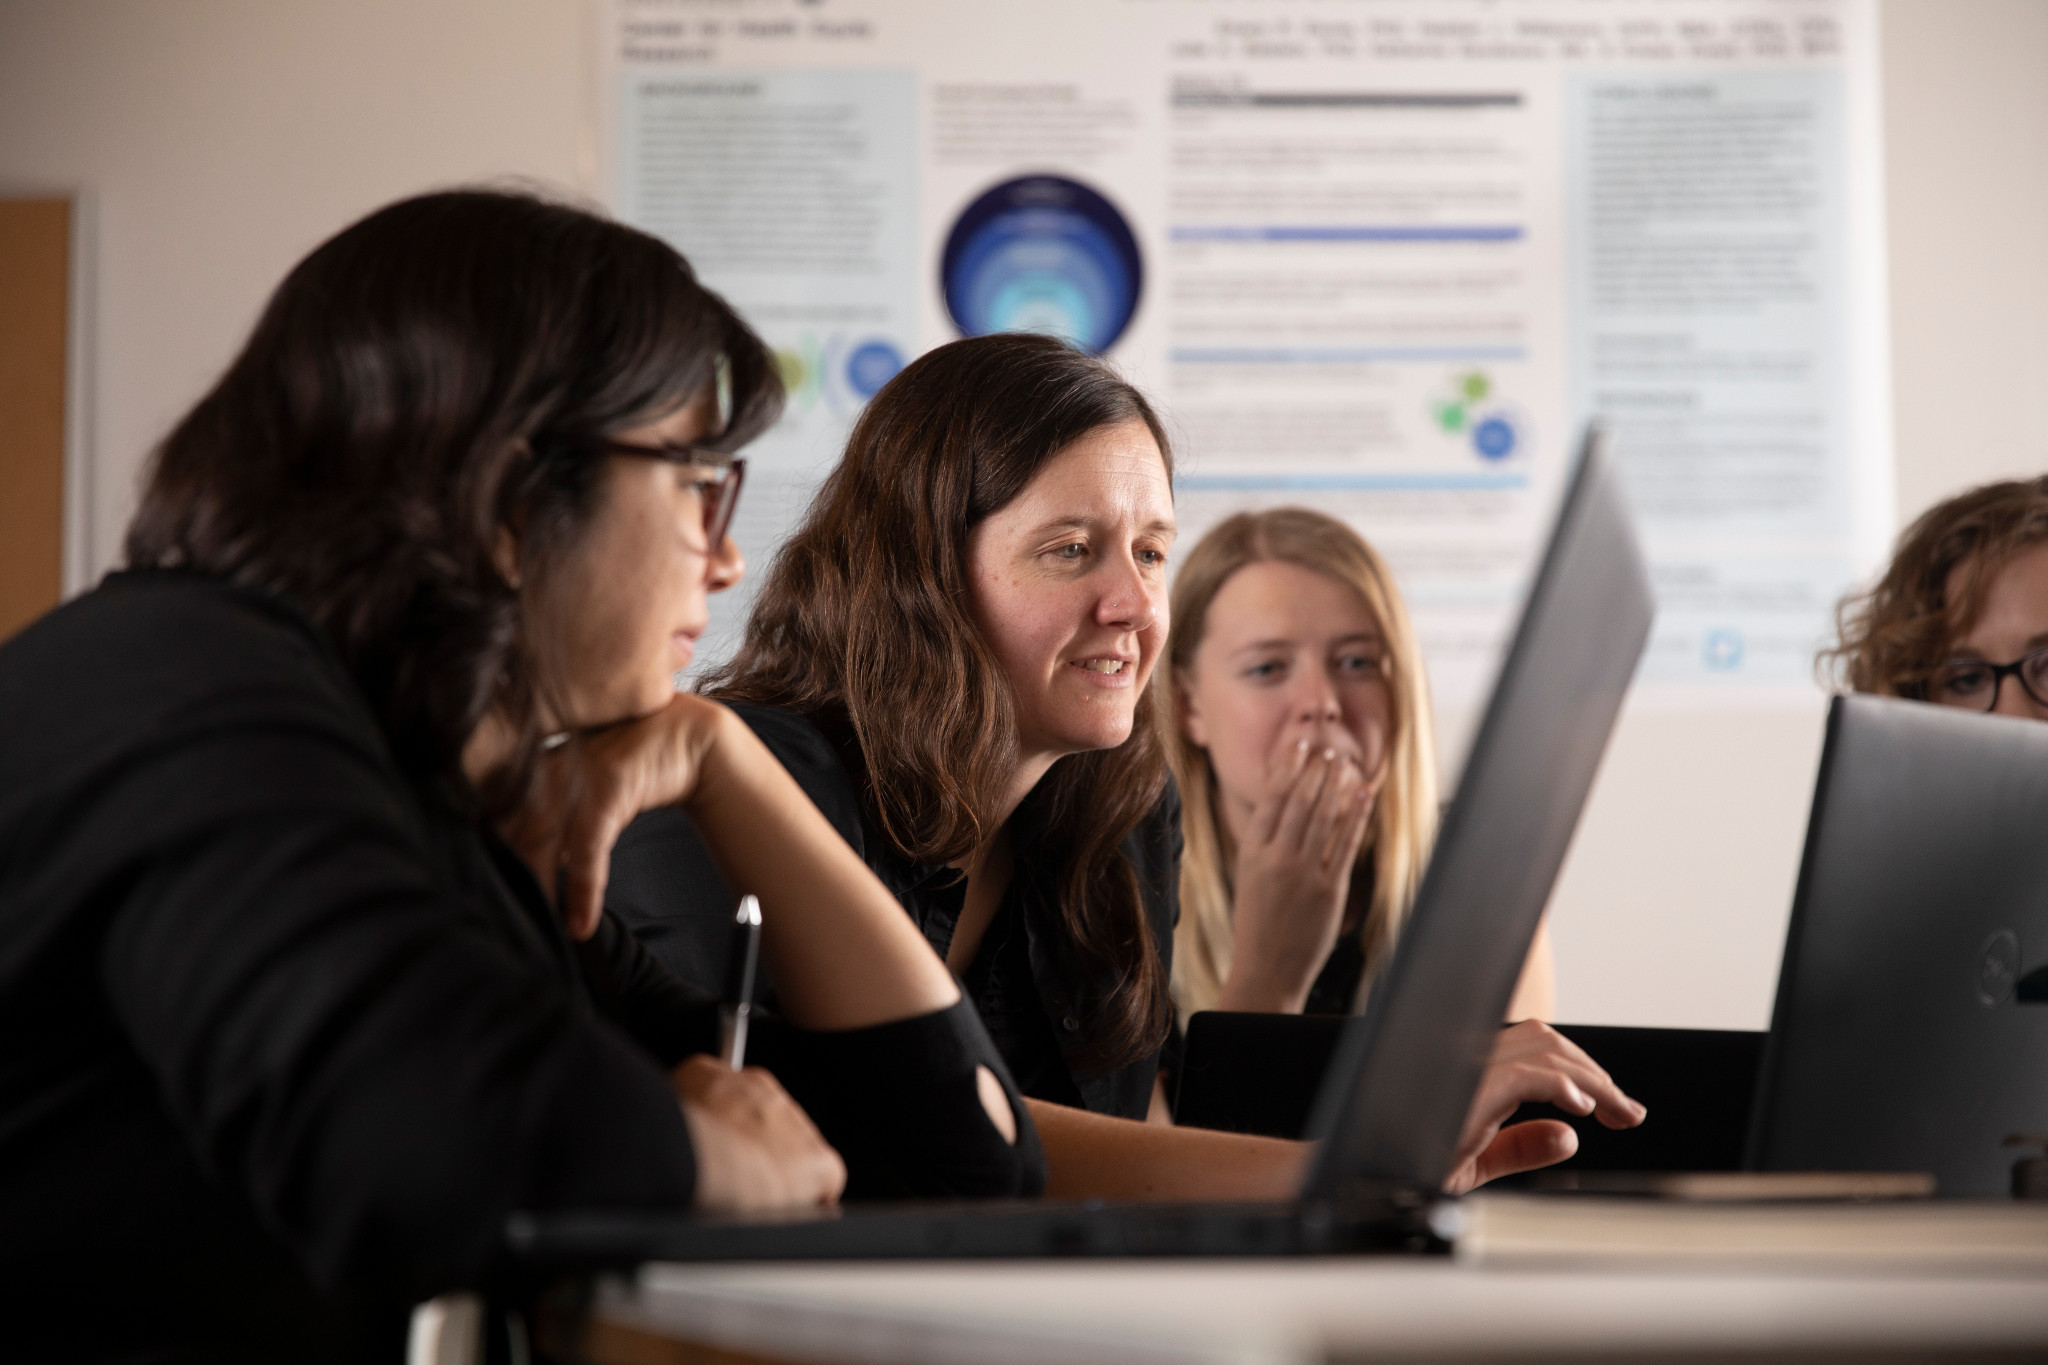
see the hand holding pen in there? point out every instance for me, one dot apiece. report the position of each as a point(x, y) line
point(755, 1147)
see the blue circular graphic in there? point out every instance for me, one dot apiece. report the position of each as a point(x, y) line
point(1494, 438)
point(1721, 650)
point(1042, 254)
point(872, 364)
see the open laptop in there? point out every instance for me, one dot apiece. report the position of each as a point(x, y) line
point(1911, 1026)
point(1395, 1098)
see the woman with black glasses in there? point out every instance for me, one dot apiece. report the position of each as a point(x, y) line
point(304, 820)
point(1960, 617)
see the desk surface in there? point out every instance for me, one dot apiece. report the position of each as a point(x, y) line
point(1535, 1279)
point(1283, 1312)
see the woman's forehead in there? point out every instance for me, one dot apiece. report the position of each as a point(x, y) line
point(1271, 598)
point(2012, 598)
point(1116, 464)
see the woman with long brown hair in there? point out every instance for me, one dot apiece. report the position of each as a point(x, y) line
point(1297, 721)
point(951, 654)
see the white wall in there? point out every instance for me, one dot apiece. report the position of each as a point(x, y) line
point(1969, 235)
point(220, 139)
point(1672, 907)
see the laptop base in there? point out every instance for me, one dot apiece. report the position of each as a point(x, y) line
point(1393, 1220)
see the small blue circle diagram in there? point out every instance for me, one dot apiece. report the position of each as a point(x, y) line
point(1042, 253)
point(1721, 650)
point(1494, 438)
point(871, 365)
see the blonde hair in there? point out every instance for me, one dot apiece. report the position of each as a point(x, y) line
point(1405, 814)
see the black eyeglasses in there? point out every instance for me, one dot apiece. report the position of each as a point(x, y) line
point(1973, 684)
point(718, 490)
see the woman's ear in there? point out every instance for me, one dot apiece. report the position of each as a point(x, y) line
point(1187, 713)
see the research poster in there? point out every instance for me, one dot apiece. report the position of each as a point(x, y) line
point(1385, 258)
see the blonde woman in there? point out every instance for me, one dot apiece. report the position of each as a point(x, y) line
point(1299, 730)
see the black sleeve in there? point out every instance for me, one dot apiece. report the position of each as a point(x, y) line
point(666, 888)
point(363, 1054)
point(668, 893)
point(636, 992)
point(901, 1103)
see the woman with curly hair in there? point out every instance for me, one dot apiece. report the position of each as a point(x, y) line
point(1961, 616)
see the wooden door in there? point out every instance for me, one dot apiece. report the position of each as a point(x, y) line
point(35, 275)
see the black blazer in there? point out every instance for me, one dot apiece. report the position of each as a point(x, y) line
point(666, 888)
point(282, 1040)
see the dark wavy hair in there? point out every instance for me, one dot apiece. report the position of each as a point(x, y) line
point(864, 624)
point(431, 375)
point(1895, 636)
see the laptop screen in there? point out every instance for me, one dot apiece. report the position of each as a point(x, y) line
point(1396, 1094)
point(1909, 1033)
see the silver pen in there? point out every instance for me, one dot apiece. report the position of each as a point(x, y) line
point(741, 964)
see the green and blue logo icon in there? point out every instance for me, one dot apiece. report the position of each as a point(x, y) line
point(1473, 410)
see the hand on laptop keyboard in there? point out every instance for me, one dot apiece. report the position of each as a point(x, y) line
point(1532, 1061)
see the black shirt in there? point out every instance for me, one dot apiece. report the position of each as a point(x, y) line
point(282, 1039)
point(1336, 985)
point(1032, 1002)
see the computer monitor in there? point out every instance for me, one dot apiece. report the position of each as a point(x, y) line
point(1906, 1036)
